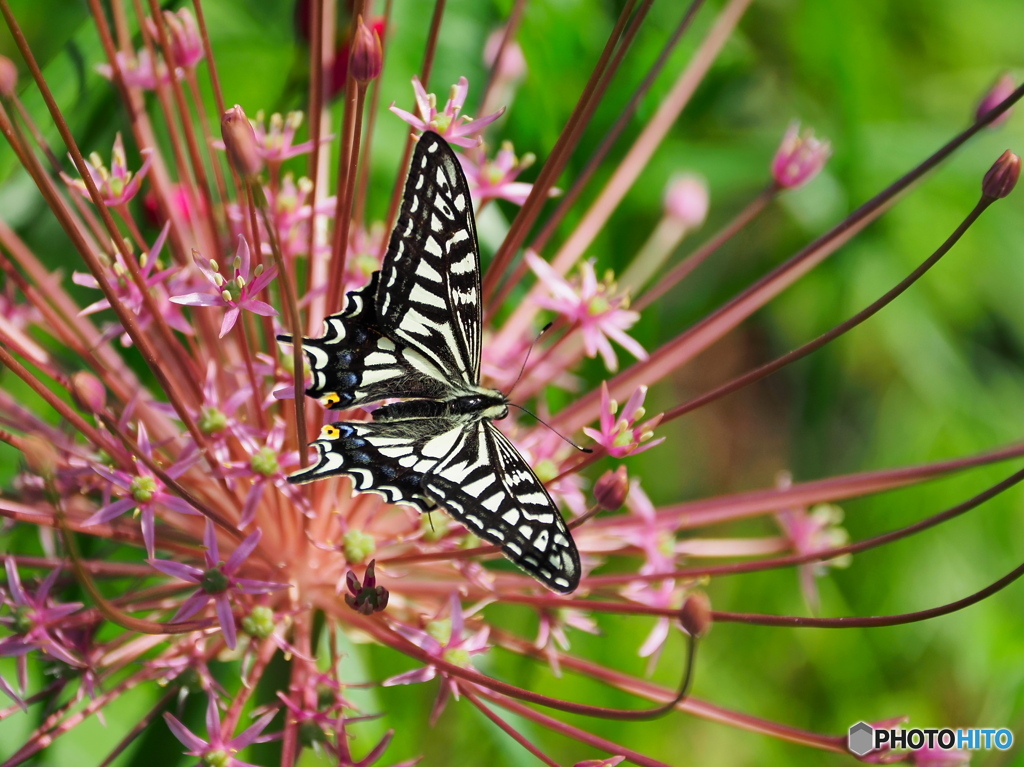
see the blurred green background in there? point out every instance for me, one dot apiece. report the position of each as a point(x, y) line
point(936, 375)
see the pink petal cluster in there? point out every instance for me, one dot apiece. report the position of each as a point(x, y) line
point(799, 158)
point(455, 127)
point(217, 582)
point(593, 306)
point(622, 436)
point(237, 293)
point(495, 179)
point(116, 186)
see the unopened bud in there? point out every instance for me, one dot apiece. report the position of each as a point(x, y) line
point(367, 56)
point(40, 456)
point(611, 489)
point(8, 77)
point(686, 199)
point(1002, 176)
point(366, 597)
point(696, 614)
point(999, 92)
point(241, 143)
point(88, 392)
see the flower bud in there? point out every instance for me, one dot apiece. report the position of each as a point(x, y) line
point(186, 42)
point(8, 77)
point(513, 64)
point(686, 199)
point(88, 392)
point(799, 158)
point(241, 143)
point(1002, 176)
point(611, 489)
point(999, 92)
point(366, 57)
point(40, 456)
point(696, 614)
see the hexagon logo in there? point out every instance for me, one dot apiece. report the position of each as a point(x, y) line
point(860, 739)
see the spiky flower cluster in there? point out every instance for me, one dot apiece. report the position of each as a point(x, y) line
point(169, 536)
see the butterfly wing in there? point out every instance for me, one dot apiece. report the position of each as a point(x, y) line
point(414, 330)
point(355, 362)
point(487, 485)
point(429, 291)
point(389, 458)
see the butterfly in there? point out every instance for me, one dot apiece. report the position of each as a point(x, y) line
point(413, 334)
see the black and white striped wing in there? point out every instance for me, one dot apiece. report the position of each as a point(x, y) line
point(487, 485)
point(355, 362)
point(429, 291)
point(389, 458)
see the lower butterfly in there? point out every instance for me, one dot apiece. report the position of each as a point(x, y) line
point(413, 334)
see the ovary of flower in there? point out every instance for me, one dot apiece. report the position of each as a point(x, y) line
point(117, 185)
point(237, 293)
point(593, 307)
point(455, 127)
point(621, 436)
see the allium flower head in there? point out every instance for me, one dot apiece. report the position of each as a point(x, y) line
point(163, 550)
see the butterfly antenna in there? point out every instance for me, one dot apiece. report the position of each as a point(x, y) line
point(539, 419)
point(543, 330)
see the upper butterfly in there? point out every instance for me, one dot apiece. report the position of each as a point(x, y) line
point(413, 333)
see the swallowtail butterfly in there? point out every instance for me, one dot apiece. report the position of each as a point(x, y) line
point(413, 334)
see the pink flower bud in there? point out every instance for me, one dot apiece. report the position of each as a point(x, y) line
point(800, 158)
point(696, 614)
point(240, 142)
point(186, 42)
point(611, 489)
point(686, 199)
point(8, 77)
point(40, 456)
point(1002, 176)
point(513, 64)
point(999, 92)
point(88, 392)
point(366, 57)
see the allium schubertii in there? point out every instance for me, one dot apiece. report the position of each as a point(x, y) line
point(155, 542)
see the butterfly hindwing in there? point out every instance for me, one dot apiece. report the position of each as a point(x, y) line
point(389, 458)
point(487, 485)
point(429, 291)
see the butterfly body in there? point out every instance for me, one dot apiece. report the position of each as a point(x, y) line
point(413, 334)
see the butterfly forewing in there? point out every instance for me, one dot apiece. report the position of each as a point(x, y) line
point(413, 334)
point(429, 292)
point(355, 362)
